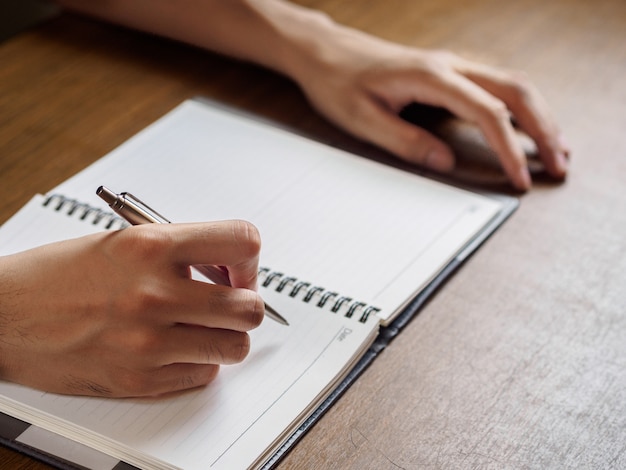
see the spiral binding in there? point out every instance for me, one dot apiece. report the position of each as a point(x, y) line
point(306, 291)
point(74, 208)
point(295, 287)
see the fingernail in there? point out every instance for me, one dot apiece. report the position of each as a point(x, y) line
point(439, 161)
point(524, 179)
point(562, 162)
point(565, 147)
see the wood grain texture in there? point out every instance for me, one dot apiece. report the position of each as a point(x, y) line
point(520, 360)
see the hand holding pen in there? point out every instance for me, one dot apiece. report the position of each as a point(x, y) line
point(115, 313)
point(136, 213)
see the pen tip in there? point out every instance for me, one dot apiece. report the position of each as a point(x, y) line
point(274, 315)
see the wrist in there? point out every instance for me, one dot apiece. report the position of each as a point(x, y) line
point(305, 42)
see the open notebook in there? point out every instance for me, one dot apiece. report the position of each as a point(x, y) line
point(351, 249)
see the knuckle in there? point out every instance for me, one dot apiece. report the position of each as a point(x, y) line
point(254, 311)
point(147, 298)
point(142, 343)
point(143, 300)
point(186, 382)
point(233, 350)
point(208, 374)
point(444, 56)
point(201, 376)
point(247, 237)
point(439, 63)
point(520, 86)
point(241, 347)
point(358, 110)
point(210, 353)
point(497, 112)
point(135, 384)
point(220, 300)
point(245, 308)
point(145, 241)
point(411, 147)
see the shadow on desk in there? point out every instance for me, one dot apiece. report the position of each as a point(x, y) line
point(477, 164)
point(17, 16)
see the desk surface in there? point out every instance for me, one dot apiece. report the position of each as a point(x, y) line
point(520, 361)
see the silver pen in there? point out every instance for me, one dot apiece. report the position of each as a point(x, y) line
point(137, 213)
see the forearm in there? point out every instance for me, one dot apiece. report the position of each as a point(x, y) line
point(358, 81)
point(272, 33)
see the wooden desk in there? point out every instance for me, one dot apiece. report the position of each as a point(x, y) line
point(520, 361)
